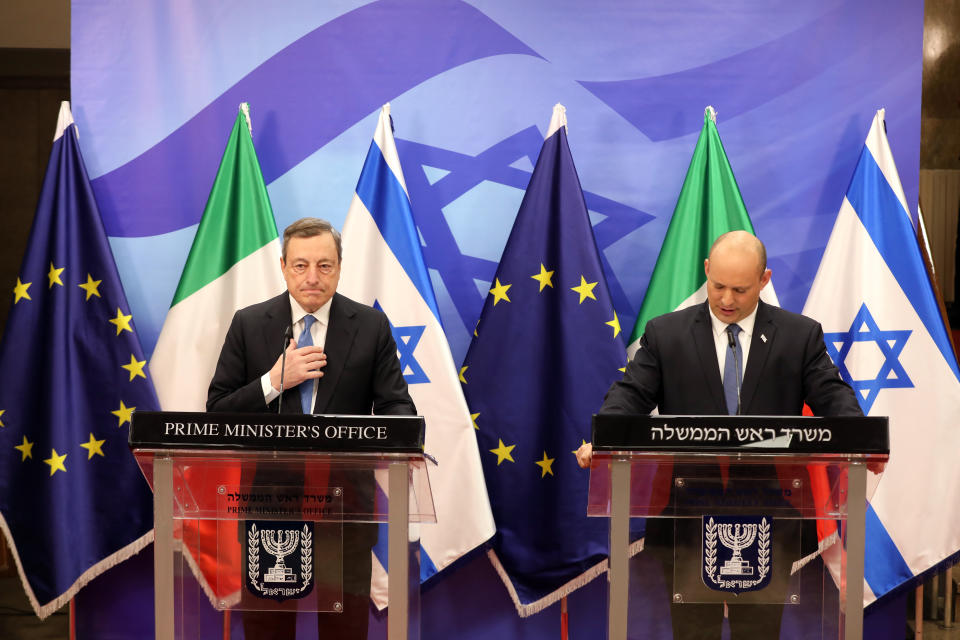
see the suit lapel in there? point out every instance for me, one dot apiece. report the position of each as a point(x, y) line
point(277, 319)
point(707, 352)
point(340, 334)
point(764, 331)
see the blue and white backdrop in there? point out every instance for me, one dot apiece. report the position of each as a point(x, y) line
point(155, 89)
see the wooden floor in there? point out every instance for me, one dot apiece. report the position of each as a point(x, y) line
point(933, 631)
point(17, 619)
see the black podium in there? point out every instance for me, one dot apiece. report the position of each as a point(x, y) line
point(267, 513)
point(745, 501)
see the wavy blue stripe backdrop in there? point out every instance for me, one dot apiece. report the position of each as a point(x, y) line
point(155, 87)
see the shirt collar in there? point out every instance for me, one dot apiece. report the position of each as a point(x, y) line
point(322, 314)
point(746, 324)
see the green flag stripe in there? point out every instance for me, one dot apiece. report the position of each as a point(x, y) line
point(237, 220)
point(709, 204)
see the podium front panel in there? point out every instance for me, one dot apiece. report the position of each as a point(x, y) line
point(797, 487)
point(293, 562)
point(741, 544)
point(287, 539)
point(203, 479)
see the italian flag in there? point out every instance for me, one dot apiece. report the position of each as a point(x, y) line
point(234, 262)
point(709, 204)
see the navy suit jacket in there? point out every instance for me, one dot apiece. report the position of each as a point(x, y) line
point(362, 374)
point(676, 369)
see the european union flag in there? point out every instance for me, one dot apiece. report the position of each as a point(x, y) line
point(545, 351)
point(72, 500)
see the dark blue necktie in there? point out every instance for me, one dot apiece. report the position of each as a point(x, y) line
point(306, 387)
point(733, 370)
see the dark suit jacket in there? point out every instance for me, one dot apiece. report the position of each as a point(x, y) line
point(362, 374)
point(676, 369)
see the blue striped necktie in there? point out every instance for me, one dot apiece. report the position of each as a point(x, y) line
point(733, 370)
point(306, 387)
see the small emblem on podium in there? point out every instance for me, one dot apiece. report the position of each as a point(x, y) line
point(736, 552)
point(279, 558)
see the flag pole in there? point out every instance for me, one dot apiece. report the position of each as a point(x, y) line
point(918, 613)
point(564, 619)
point(924, 243)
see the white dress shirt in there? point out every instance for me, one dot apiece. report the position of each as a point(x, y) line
point(319, 334)
point(721, 342)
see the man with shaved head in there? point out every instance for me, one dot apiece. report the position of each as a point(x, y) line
point(687, 363)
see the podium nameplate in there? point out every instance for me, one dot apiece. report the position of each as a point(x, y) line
point(742, 434)
point(284, 432)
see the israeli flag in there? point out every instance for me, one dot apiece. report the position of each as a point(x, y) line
point(384, 268)
point(883, 328)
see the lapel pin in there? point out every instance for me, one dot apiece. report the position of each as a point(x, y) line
point(763, 337)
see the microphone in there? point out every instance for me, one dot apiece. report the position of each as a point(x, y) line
point(287, 337)
point(733, 346)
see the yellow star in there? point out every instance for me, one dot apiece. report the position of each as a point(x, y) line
point(462, 371)
point(1, 415)
point(20, 291)
point(26, 449)
point(544, 277)
point(93, 446)
point(135, 368)
point(54, 275)
point(500, 292)
point(545, 465)
point(615, 323)
point(585, 289)
point(503, 452)
point(582, 442)
point(122, 322)
point(56, 462)
point(474, 416)
point(124, 413)
point(90, 286)
point(622, 369)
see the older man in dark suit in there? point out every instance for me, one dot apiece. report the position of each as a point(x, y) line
point(733, 354)
point(342, 359)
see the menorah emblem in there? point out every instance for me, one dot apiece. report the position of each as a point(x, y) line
point(736, 552)
point(279, 546)
point(737, 537)
point(279, 538)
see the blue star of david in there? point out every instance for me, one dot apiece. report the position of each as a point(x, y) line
point(891, 375)
point(440, 251)
point(407, 339)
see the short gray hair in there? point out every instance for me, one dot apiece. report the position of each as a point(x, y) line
point(308, 228)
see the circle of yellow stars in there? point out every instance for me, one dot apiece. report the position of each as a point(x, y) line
point(94, 447)
point(544, 278)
